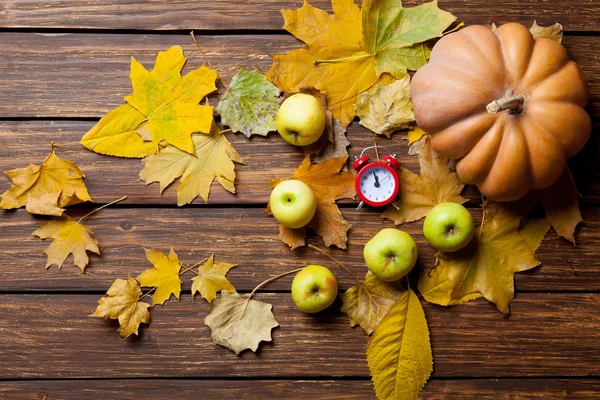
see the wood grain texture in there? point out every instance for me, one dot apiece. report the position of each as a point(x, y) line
point(211, 389)
point(86, 75)
point(250, 239)
point(53, 336)
point(575, 15)
point(108, 178)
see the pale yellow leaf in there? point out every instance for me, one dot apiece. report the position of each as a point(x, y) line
point(46, 204)
point(211, 279)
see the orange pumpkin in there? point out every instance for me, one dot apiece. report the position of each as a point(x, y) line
point(508, 107)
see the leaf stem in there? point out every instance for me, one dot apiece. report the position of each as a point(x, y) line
point(457, 27)
point(243, 184)
point(335, 260)
point(376, 150)
point(100, 208)
point(335, 60)
point(263, 283)
point(147, 293)
point(207, 60)
point(191, 269)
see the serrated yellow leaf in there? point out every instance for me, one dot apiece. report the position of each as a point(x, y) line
point(169, 101)
point(164, 275)
point(399, 353)
point(211, 279)
point(70, 237)
point(214, 159)
point(41, 183)
point(123, 303)
point(116, 134)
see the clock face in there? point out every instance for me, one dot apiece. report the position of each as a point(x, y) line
point(377, 184)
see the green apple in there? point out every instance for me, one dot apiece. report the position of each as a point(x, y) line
point(293, 203)
point(301, 119)
point(314, 289)
point(391, 254)
point(449, 227)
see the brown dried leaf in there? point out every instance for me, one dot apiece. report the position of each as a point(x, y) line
point(554, 32)
point(561, 204)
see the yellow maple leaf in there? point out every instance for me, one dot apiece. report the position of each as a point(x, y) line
point(214, 159)
point(70, 237)
point(399, 352)
point(164, 276)
point(53, 184)
point(420, 193)
point(329, 185)
point(499, 249)
point(368, 302)
point(415, 134)
point(163, 104)
point(211, 279)
point(123, 303)
point(346, 53)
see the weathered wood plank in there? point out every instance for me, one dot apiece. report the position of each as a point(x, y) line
point(475, 389)
point(107, 178)
point(575, 15)
point(249, 238)
point(86, 75)
point(53, 336)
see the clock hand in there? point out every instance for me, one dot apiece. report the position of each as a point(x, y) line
point(376, 179)
point(385, 178)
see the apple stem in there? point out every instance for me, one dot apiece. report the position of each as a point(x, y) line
point(263, 283)
point(100, 208)
point(335, 260)
point(208, 61)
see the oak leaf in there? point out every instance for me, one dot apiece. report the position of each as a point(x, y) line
point(554, 32)
point(163, 103)
point(70, 237)
point(238, 322)
point(329, 185)
point(399, 352)
point(561, 204)
point(346, 53)
point(250, 104)
point(500, 248)
point(211, 279)
point(213, 159)
point(368, 302)
point(420, 193)
point(387, 108)
point(164, 275)
point(123, 303)
point(45, 188)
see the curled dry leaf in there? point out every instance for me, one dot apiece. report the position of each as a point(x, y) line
point(499, 249)
point(214, 158)
point(368, 302)
point(399, 352)
point(162, 100)
point(387, 109)
point(211, 279)
point(561, 204)
point(123, 303)
point(238, 322)
point(554, 32)
point(70, 237)
point(329, 185)
point(250, 104)
point(347, 52)
point(164, 275)
point(45, 188)
point(420, 193)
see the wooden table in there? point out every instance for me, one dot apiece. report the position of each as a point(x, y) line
point(65, 63)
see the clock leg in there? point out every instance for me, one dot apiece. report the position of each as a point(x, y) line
point(396, 206)
point(362, 203)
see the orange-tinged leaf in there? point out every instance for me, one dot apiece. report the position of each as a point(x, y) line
point(420, 193)
point(164, 275)
point(41, 183)
point(561, 204)
point(368, 302)
point(211, 279)
point(70, 237)
point(346, 53)
point(329, 185)
point(123, 303)
point(214, 158)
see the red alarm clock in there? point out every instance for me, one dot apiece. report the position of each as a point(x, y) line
point(376, 183)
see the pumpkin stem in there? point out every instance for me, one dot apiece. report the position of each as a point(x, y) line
point(511, 103)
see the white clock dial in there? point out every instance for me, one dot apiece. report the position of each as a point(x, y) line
point(377, 184)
